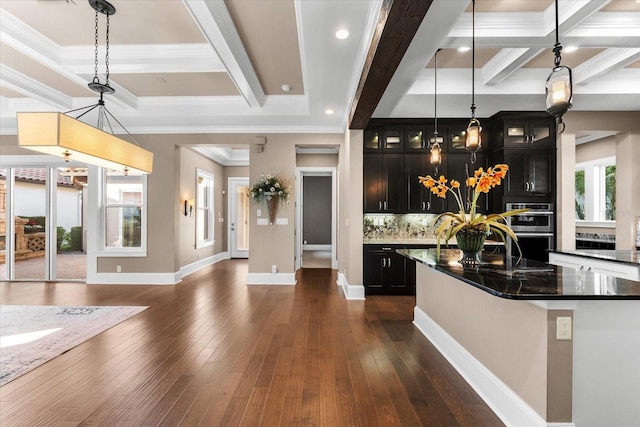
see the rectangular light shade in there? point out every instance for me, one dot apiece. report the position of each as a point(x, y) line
point(57, 134)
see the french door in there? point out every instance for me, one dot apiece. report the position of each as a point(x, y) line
point(238, 230)
point(41, 222)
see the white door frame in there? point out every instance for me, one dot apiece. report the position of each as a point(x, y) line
point(232, 182)
point(315, 171)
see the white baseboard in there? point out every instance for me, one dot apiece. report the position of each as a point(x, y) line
point(271, 279)
point(134, 278)
point(507, 405)
point(154, 278)
point(355, 292)
point(205, 262)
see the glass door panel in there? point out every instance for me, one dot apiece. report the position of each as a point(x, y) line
point(70, 255)
point(29, 209)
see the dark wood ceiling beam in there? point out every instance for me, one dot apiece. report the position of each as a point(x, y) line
point(397, 25)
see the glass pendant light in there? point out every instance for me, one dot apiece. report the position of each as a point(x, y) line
point(473, 140)
point(559, 86)
point(434, 143)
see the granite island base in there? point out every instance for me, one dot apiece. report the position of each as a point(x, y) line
point(497, 327)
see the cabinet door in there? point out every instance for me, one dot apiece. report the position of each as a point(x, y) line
point(372, 139)
point(542, 134)
point(393, 139)
point(372, 274)
point(419, 198)
point(416, 139)
point(393, 276)
point(541, 167)
point(372, 180)
point(516, 133)
point(516, 181)
point(394, 188)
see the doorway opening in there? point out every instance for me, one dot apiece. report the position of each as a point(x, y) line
point(316, 218)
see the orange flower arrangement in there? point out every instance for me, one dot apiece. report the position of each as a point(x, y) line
point(448, 224)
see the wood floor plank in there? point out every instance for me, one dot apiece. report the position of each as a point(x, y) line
point(212, 351)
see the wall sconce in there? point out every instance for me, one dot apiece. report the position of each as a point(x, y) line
point(188, 208)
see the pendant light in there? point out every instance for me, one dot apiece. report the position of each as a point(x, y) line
point(64, 136)
point(435, 150)
point(473, 140)
point(559, 86)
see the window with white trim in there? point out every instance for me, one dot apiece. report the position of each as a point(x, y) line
point(204, 209)
point(596, 190)
point(124, 214)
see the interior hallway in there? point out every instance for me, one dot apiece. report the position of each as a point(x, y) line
point(213, 351)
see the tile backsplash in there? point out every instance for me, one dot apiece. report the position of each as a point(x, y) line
point(398, 226)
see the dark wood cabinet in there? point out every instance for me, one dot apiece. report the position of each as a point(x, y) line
point(384, 139)
point(385, 271)
point(528, 133)
point(530, 172)
point(459, 166)
point(384, 184)
point(419, 198)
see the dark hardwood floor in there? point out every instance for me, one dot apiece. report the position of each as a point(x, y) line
point(212, 351)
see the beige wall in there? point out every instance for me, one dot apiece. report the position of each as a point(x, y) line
point(594, 150)
point(190, 162)
point(627, 152)
point(350, 208)
point(317, 160)
point(274, 244)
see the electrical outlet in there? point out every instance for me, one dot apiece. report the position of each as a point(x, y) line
point(563, 328)
point(118, 269)
point(424, 221)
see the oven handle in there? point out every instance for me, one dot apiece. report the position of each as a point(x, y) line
point(539, 213)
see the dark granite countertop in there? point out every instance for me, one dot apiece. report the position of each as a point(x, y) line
point(529, 279)
point(627, 257)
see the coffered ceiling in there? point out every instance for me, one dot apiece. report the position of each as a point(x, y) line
point(198, 66)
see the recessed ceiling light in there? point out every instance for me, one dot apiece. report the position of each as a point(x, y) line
point(328, 111)
point(342, 34)
point(463, 49)
point(285, 88)
point(570, 49)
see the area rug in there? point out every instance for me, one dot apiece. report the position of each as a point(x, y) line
point(34, 334)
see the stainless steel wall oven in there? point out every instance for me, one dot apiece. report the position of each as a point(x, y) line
point(535, 230)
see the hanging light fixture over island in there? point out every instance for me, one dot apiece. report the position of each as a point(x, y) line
point(60, 135)
point(473, 140)
point(559, 86)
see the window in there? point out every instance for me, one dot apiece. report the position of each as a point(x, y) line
point(124, 213)
point(204, 209)
point(596, 190)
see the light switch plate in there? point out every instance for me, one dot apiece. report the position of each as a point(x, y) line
point(263, 221)
point(282, 221)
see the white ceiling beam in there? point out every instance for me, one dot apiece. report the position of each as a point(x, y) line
point(160, 58)
point(25, 85)
point(505, 63)
point(218, 27)
point(34, 45)
point(604, 63)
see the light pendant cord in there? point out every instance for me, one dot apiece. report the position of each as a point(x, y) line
point(557, 47)
point(435, 93)
point(473, 59)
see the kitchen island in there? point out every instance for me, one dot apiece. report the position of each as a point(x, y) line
point(497, 325)
point(623, 264)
